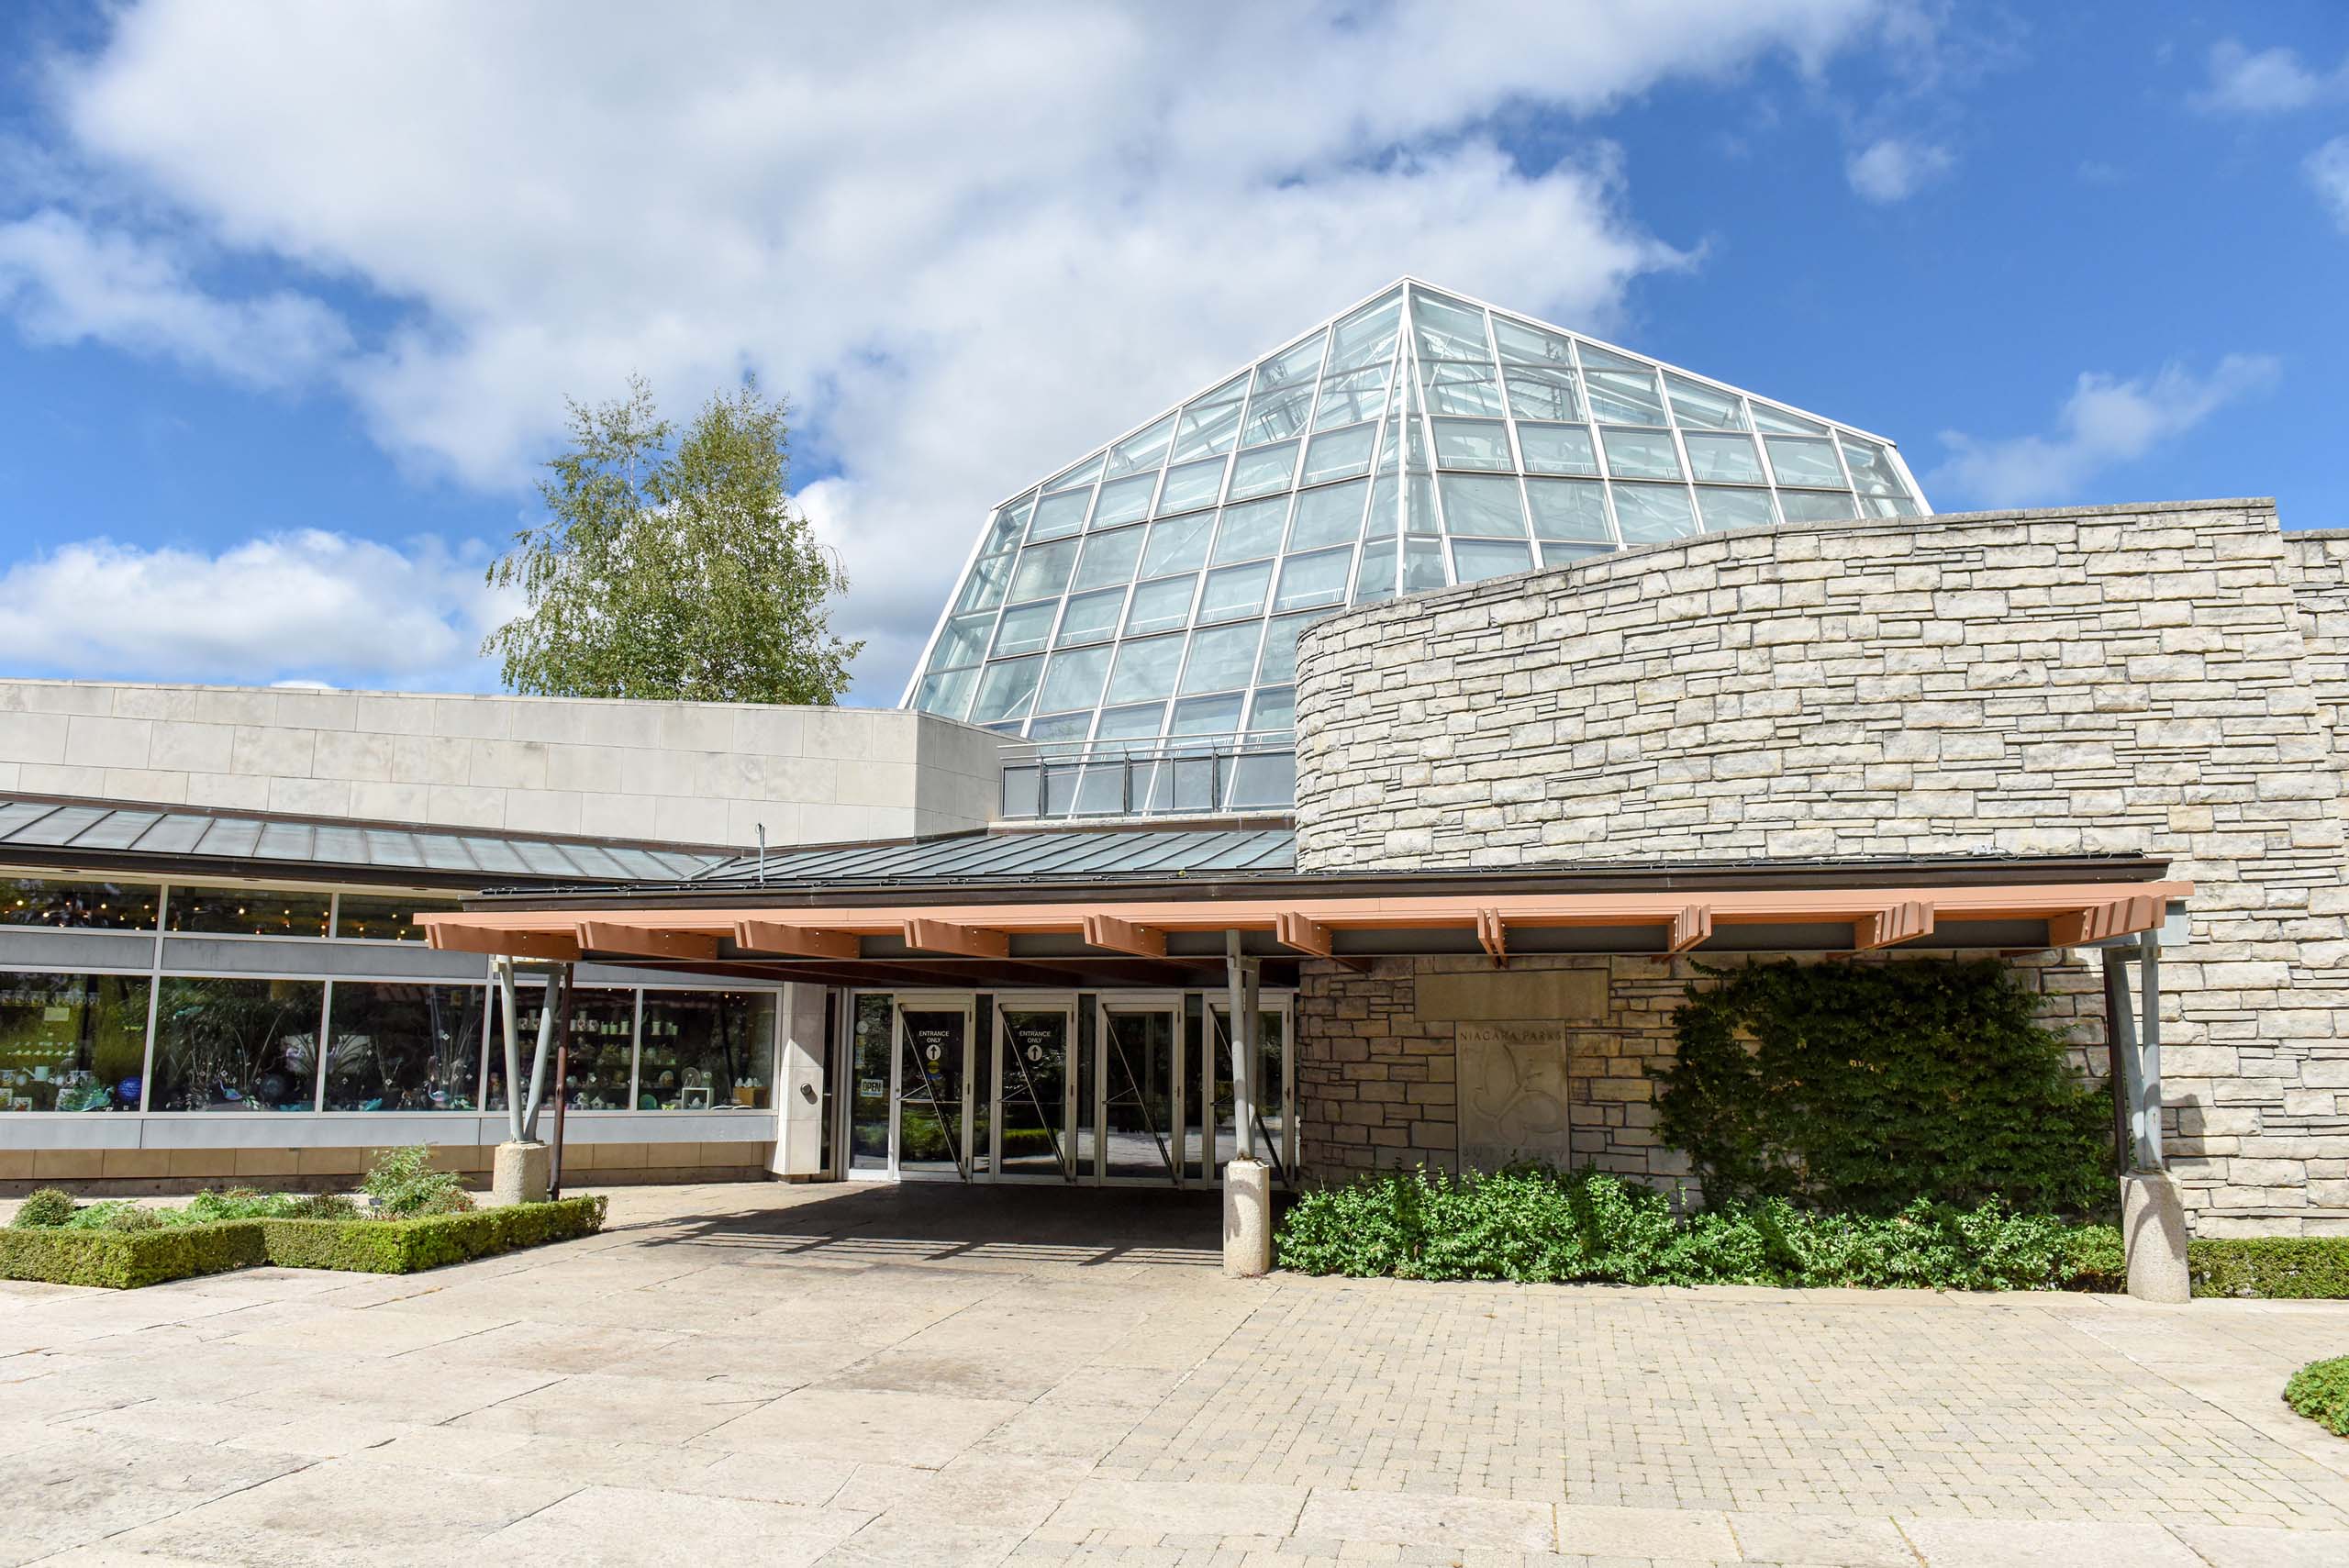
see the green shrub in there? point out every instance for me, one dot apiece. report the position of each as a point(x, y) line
point(1862, 1087)
point(1537, 1225)
point(130, 1218)
point(406, 1246)
point(45, 1206)
point(403, 1181)
point(128, 1259)
point(2320, 1392)
point(2278, 1268)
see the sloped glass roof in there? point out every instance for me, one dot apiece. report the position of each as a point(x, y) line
point(1156, 588)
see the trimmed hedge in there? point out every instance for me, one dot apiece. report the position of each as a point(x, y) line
point(1538, 1225)
point(2276, 1268)
point(2320, 1392)
point(128, 1259)
point(408, 1246)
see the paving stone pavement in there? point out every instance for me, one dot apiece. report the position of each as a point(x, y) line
point(939, 1375)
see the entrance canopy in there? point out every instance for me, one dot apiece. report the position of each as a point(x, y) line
point(1173, 933)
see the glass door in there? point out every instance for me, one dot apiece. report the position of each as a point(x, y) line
point(1035, 1090)
point(933, 1102)
point(1274, 1087)
point(1136, 1124)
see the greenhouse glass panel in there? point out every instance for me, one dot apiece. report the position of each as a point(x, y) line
point(1263, 470)
point(1543, 391)
point(1109, 558)
point(1623, 397)
point(1478, 558)
point(1558, 448)
point(1009, 524)
point(1446, 328)
point(947, 695)
point(984, 590)
point(1191, 486)
point(1872, 470)
point(1366, 336)
point(1733, 508)
point(1090, 618)
point(1277, 667)
point(1144, 722)
point(1207, 716)
point(1423, 565)
point(1124, 501)
point(1569, 509)
point(1044, 570)
point(1160, 606)
point(1144, 671)
point(1554, 555)
point(1145, 449)
point(1816, 507)
point(1484, 505)
point(965, 642)
point(1025, 629)
point(1723, 459)
point(1780, 422)
point(1315, 579)
point(1210, 424)
point(1525, 345)
point(1331, 514)
point(1799, 462)
point(1699, 406)
point(1252, 530)
point(1649, 513)
point(1006, 690)
point(1275, 710)
point(1060, 515)
point(1472, 443)
point(1351, 395)
point(1221, 658)
point(1454, 388)
point(1234, 591)
point(1641, 454)
point(1374, 579)
point(1073, 680)
point(1084, 473)
point(1340, 454)
point(1178, 544)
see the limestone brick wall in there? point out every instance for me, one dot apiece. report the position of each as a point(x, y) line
point(1382, 1085)
point(2166, 679)
point(693, 773)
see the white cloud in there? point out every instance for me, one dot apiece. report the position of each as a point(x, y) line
point(66, 283)
point(297, 606)
point(2105, 422)
point(969, 242)
point(2269, 81)
point(1892, 169)
point(2328, 171)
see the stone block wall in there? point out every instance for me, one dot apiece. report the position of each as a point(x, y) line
point(2169, 680)
point(692, 772)
point(1383, 1085)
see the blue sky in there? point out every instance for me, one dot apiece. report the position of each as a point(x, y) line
point(290, 299)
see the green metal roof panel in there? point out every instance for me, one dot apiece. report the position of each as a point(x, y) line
point(1033, 856)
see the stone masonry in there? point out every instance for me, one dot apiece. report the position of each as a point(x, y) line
point(2169, 680)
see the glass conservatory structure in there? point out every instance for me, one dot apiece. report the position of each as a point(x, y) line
point(1134, 617)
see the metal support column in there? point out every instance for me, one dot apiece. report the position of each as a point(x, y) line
point(521, 1108)
point(1241, 988)
point(2121, 1031)
point(2149, 1051)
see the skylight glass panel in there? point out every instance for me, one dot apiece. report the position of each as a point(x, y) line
point(1026, 628)
point(1697, 405)
point(1872, 470)
point(1211, 423)
point(1319, 578)
point(1649, 513)
point(1368, 336)
point(1008, 525)
point(1124, 500)
point(966, 641)
point(1471, 443)
point(1641, 454)
point(984, 590)
point(1109, 558)
point(1206, 715)
point(1192, 485)
point(1722, 459)
point(1798, 461)
point(1006, 690)
point(1144, 670)
point(1044, 570)
point(1161, 606)
point(1722, 508)
point(1265, 469)
point(1084, 473)
point(1178, 544)
point(1352, 395)
point(1221, 658)
point(1331, 514)
point(1779, 422)
point(1143, 450)
point(1569, 510)
point(1234, 591)
point(1524, 344)
point(1482, 503)
point(1090, 618)
point(1459, 387)
point(1446, 328)
point(948, 695)
point(1476, 559)
point(1252, 530)
point(1340, 454)
point(1059, 516)
point(1557, 449)
point(1543, 391)
point(1816, 506)
point(1073, 680)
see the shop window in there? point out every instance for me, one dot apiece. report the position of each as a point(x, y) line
point(71, 1042)
point(246, 912)
point(236, 1045)
point(403, 1048)
point(362, 917)
point(602, 1039)
point(706, 1051)
point(82, 906)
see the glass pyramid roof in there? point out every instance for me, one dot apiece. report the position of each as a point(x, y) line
point(1156, 588)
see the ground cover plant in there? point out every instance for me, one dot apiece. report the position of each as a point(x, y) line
point(419, 1218)
point(1536, 1224)
point(2320, 1392)
point(2281, 1268)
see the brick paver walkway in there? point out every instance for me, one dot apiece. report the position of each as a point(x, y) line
point(943, 1376)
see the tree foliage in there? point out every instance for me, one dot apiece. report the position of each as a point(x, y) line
point(1865, 1087)
point(673, 565)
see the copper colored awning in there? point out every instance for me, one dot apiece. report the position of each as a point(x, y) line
point(1997, 914)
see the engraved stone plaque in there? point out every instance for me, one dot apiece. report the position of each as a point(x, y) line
point(1512, 1093)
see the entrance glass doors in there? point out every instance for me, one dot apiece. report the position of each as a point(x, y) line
point(934, 1125)
point(1136, 1125)
point(1035, 1091)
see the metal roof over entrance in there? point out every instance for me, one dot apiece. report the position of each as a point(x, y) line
point(1020, 856)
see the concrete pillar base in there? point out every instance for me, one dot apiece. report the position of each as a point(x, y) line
point(522, 1172)
point(2153, 1229)
point(1247, 1220)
